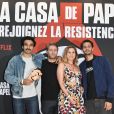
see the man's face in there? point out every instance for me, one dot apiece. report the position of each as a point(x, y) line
point(87, 48)
point(28, 46)
point(52, 52)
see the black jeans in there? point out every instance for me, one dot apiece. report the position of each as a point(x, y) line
point(49, 106)
point(96, 107)
point(26, 105)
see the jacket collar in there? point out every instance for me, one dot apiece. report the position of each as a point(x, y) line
point(20, 56)
point(94, 59)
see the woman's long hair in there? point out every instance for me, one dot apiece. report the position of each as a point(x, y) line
point(65, 60)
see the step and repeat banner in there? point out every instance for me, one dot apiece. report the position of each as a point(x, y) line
point(65, 22)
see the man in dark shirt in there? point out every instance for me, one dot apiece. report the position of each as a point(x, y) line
point(91, 89)
point(49, 83)
point(98, 81)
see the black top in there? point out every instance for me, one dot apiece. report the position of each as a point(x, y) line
point(91, 89)
point(49, 84)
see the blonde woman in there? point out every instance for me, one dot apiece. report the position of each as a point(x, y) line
point(69, 78)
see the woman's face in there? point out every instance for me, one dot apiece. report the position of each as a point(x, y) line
point(71, 54)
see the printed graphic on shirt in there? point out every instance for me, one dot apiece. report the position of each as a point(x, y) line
point(89, 69)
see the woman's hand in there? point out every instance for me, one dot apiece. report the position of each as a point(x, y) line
point(71, 84)
point(82, 90)
point(58, 60)
point(72, 100)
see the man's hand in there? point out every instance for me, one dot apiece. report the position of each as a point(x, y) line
point(108, 106)
point(35, 75)
point(36, 72)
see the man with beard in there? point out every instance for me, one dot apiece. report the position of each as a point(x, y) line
point(49, 84)
point(19, 73)
point(98, 81)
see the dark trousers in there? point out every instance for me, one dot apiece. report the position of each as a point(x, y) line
point(96, 107)
point(49, 106)
point(26, 105)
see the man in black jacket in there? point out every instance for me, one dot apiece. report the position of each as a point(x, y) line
point(98, 81)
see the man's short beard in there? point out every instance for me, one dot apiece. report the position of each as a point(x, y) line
point(88, 53)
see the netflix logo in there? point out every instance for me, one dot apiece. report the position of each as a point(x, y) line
point(5, 47)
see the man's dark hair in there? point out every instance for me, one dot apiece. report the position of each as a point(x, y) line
point(52, 44)
point(28, 38)
point(87, 41)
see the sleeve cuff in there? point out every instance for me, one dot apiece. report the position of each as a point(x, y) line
point(109, 100)
point(38, 68)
